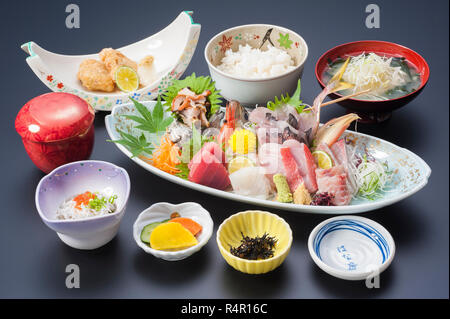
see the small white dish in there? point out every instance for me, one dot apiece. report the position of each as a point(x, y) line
point(249, 91)
point(172, 48)
point(162, 211)
point(351, 247)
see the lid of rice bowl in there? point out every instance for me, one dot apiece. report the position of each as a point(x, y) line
point(54, 117)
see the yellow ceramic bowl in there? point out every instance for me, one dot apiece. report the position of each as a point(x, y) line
point(254, 223)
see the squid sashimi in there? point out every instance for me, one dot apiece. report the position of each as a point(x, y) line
point(207, 167)
point(334, 181)
point(305, 162)
point(293, 176)
point(251, 181)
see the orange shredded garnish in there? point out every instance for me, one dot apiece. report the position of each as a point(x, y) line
point(83, 199)
point(165, 156)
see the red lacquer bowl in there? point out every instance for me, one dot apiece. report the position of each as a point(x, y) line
point(56, 129)
point(374, 111)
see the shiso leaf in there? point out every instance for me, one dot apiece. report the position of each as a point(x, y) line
point(197, 84)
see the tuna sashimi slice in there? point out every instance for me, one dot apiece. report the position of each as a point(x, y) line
point(210, 148)
point(334, 181)
point(207, 168)
point(293, 175)
point(305, 163)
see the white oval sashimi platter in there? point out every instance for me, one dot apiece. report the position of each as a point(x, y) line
point(411, 173)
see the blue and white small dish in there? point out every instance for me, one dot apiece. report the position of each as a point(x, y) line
point(351, 247)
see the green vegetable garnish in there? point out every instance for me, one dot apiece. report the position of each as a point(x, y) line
point(189, 149)
point(293, 101)
point(197, 85)
point(135, 145)
point(97, 203)
point(112, 199)
point(153, 122)
point(374, 176)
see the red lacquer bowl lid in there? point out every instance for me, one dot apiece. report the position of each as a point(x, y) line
point(54, 117)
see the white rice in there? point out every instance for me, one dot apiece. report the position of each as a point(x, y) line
point(253, 63)
point(67, 209)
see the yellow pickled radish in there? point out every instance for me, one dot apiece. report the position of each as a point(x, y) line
point(171, 236)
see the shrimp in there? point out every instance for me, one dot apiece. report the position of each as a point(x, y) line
point(234, 116)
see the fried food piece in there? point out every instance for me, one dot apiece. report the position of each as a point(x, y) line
point(146, 70)
point(114, 59)
point(94, 76)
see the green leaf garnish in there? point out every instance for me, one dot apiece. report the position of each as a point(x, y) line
point(136, 145)
point(293, 101)
point(198, 85)
point(152, 122)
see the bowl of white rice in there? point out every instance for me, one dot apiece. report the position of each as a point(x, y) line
point(84, 202)
point(254, 63)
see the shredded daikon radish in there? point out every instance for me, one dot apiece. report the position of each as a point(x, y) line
point(371, 176)
point(374, 72)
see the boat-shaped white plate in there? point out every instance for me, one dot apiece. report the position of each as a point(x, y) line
point(411, 173)
point(172, 48)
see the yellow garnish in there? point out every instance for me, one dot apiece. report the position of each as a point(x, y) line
point(242, 141)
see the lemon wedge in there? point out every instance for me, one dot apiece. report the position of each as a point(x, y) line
point(323, 160)
point(239, 162)
point(127, 79)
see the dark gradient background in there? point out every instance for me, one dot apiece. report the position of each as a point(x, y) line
point(33, 259)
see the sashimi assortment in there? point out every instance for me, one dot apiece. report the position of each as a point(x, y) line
point(277, 152)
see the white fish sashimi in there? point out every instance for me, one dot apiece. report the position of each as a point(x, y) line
point(251, 181)
point(262, 115)
point(269, 158)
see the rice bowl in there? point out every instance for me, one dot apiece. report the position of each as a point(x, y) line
point(248, 90)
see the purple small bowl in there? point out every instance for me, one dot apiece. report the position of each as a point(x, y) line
point(75, 178)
